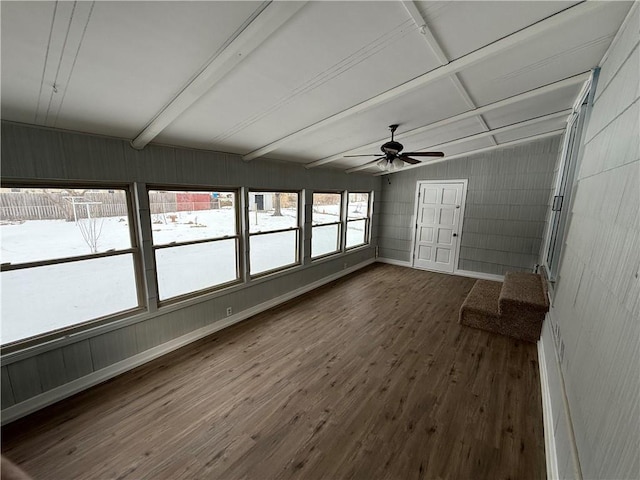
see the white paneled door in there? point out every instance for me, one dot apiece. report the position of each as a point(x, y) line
point(438, 220)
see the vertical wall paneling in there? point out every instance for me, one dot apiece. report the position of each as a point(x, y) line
point(594, 316)
point(77, 359)
point(101, 165)
point(43, 154)
point(111, 347)
point(51, 369)
point(25, 379)
point(7, 391)
point(506, 206)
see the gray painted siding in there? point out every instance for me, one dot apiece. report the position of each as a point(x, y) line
point(597, 302)
point(31, 153)
point(508, 197)
point(7, 391)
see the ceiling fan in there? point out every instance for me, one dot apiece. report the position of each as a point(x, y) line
point(392, 158)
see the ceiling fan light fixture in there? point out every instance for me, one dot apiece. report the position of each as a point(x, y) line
point(392, 160)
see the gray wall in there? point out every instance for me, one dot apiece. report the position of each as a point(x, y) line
point(505, 214)
point(31, 153)
point(595, 316)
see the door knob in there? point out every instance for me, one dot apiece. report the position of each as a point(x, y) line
point(455, 234)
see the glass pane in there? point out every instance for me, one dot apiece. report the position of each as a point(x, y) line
point(326, 208)
point(270, 211)
point(67, 294)
point(356, 233)
point(43, 224)
point(189, 268)
point(273, 251)
point(187, 216)
point(358, 206)
point(325, 240)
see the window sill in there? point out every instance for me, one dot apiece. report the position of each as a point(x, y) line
point(141, 316)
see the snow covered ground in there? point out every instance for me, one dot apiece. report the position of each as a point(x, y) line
point(41, 299)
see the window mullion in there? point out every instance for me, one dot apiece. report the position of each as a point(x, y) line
point(147, 278)
point(345, 217)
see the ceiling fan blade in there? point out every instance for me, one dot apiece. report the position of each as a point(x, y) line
point(365, 155)
point(375, 160)
point(409, 160)
point(364, 166)
point(425, 154)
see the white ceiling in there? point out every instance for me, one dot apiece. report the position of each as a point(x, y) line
point(287, 80)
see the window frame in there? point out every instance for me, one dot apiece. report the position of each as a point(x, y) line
point(135, 251)
point(341, 224)
point(238, 240)
point(249, 233)
point(570, 159)
point(367, 219)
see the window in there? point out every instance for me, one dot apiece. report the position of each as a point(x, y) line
point(326, 230)
point(274, 231)
point(195, 240)
point(358, 219)
point(69, 256)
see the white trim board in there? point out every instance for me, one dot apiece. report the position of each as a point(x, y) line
point(63, 391)
point(480, 275)
point(459, 273)
point(393, 261)
point(550, 451)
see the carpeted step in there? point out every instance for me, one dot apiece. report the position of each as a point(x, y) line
point(523, 292)
point(480, 308)
point(515, 308)
point(523, 305)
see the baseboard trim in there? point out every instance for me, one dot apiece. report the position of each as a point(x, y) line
point(551, 453)
point(461, 273)
point(480, 275)
point(54, 395)
point(392, 261)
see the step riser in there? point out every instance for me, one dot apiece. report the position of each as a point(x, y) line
point(520, 329)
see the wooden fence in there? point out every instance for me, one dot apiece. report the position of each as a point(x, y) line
point(69, 205)
point(61, 205)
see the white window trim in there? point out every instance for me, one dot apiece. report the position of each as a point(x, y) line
point(249, 234)
point(367, 218)
point(134, 250)
point(340, 223)
point(237, 237)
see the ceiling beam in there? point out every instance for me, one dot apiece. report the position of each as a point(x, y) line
point(442, 57)
point(576, 79)
point(264, 22)
point(479, 55)
point(420, 21)
point(512, 143)
point(489, 133)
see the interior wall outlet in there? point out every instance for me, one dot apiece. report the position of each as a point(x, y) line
point(229, 311)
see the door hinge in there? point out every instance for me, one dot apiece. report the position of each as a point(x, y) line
point(557, 203)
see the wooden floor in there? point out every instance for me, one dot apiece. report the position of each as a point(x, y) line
point(369, 377)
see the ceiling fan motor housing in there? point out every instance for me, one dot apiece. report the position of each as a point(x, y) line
point(392, 147)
